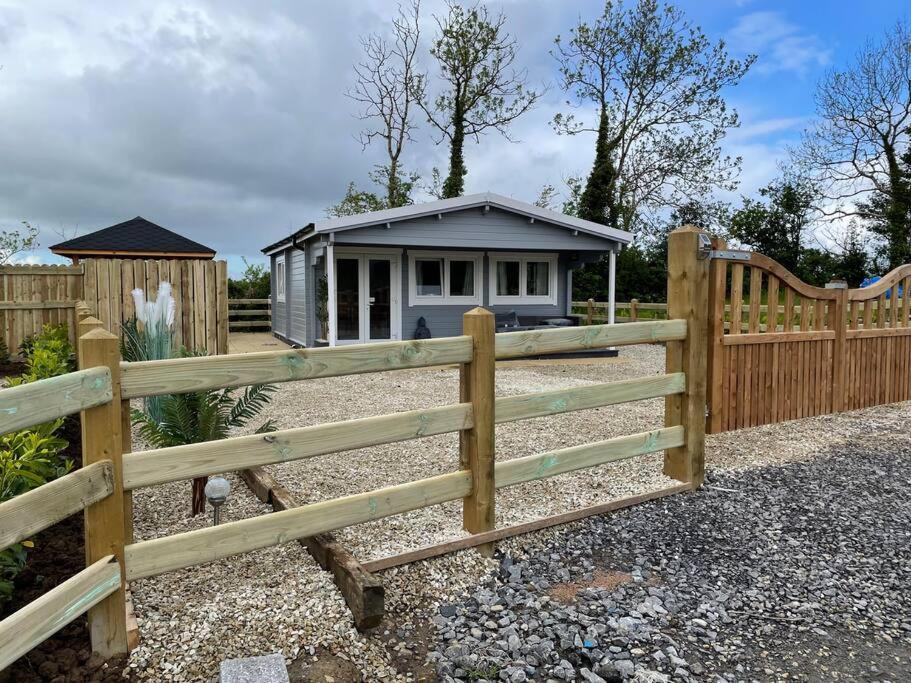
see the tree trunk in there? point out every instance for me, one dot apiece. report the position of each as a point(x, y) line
point(199, 495)
point(455, 181)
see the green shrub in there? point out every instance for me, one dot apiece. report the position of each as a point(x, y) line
point(28, 459)
point(4, 351)
point(48, 354)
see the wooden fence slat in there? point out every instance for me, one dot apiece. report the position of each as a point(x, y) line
point(755, 298)
point(736, 297)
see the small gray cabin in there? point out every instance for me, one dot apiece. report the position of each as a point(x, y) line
point(413, 271)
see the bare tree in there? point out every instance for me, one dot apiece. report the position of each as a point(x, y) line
point(854, 153)
point(385, 89)
point(655, 82)
point(482, 89)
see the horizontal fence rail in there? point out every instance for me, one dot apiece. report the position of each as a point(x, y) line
point(237, 316)
point(537, 342)
point(544, 465)
point(40, 619)
point(47, 399)
point(149, 558)
point(36, 510)
point(149, 468)
point(183, 375)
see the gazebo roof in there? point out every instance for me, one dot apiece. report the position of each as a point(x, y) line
point(135, 237)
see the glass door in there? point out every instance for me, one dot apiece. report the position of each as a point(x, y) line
point(366, 300)
point(379, 298)
point(348, 298)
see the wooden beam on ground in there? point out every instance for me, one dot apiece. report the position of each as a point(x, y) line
point(363, 592)
point(438, 549)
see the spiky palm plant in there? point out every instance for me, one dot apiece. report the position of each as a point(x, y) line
point(203, 416)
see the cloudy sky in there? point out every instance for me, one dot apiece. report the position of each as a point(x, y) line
point(227, 121)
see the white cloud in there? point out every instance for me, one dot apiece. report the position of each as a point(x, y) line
point(780, 44)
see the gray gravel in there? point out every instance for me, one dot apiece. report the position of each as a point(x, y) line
point(794, 572)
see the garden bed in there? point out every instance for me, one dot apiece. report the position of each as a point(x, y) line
point(279, 600)
point(59, 554)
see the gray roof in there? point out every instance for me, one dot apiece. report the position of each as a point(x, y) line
point(441, 206)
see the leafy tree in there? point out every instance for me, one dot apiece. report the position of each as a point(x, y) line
point(852, 261)
point(356, 201)
point(888, 216)
point(255, 283)
point(855, 150)
point(483, 91)
point(656, 82)
point(203, 416)
point(14, 242)
point(778, 225)
point(385, 89)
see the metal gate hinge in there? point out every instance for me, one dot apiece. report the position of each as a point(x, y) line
point(730, 254)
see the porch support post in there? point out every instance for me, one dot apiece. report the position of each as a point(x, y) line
point(611, 286)
point(330, 281)
point(569, 291)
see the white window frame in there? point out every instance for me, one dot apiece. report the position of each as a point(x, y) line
point(523, 258)
point(446, 299)
point(280, 278)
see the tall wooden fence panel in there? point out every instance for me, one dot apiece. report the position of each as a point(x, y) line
point(34, 296)
point(200, 290)
point(780, 349)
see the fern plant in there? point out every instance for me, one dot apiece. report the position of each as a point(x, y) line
point(203, 416)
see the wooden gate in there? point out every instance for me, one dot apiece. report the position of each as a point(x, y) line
point(780, 349)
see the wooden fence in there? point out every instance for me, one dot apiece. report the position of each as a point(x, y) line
point(240, 312)
point(34, 296)
point(103, 387)
point(200, 290)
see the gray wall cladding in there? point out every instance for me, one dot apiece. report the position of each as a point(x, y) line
point(297, 295)
point(474, 229)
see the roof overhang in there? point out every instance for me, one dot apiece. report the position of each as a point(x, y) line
point(114, 253)
point(443, 206)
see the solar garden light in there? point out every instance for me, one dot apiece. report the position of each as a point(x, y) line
point(217, 490)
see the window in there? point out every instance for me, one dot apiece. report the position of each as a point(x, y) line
point(280, 278)
point(445, 278)
point(523, 278)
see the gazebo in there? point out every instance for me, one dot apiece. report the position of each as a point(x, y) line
point(136, 238)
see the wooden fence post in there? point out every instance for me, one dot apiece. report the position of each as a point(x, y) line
point(478, 508)
point(715, 363)
point(591, 311)
point(687, 298)
point(633, 310)
point(104, 521)
point(839, 323)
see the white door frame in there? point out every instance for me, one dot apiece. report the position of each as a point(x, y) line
point(395, 276)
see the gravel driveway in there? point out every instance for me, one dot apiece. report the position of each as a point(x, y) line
point(278, 600)
point(799, 571)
